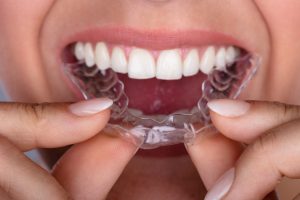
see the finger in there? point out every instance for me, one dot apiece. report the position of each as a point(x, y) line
point(22, 179)
point(245, 121)
point(30, 126)
point(90, 169)
point(262, 165)
point(213, 154)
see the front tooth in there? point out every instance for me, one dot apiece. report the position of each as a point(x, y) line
point(102, 56)
point(119, 61)
point(191, 63)
point(79, 51)
point(221, 59)
point(169, 65)
point(89, 55)
point(208, 60)
point(141, 64)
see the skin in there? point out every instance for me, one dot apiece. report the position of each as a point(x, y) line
point(29, 73)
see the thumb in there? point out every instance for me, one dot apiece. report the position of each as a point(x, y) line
point(245, 121)
point(30, 126)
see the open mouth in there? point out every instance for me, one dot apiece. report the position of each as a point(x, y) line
point(160, 95)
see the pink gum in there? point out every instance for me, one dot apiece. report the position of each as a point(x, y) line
point(155, 53)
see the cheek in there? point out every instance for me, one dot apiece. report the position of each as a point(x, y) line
point(283, 20)
point(20, 64)
point(282, 16)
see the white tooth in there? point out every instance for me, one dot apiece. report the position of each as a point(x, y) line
point(230, 55)
point(118, 61)
point(141, 64)
point(208, 60)
point(221, 59)
point(102, 56)
point(89, 55)
point(79, 51)
point(169, 65)
point(191, 63)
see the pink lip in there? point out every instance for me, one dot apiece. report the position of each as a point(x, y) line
point(155, 40)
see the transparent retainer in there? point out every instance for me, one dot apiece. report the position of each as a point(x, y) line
point(150, 132)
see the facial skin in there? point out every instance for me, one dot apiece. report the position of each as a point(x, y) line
point(31, 31)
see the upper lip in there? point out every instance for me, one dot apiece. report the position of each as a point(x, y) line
point(154, 39)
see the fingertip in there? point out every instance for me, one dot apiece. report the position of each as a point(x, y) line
point(229, 108)
point(213, 155)
point(222, 186)
point(236, 128)
point(66, 128)
point(90, 107)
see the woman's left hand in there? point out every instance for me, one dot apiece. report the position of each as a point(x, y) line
point(272, 132)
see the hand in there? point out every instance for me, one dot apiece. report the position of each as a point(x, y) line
point(26, 126)
point(271, 131)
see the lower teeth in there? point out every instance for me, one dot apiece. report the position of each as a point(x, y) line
point(161, 130)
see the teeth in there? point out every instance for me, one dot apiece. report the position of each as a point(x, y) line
point(169, 65)
point(191, 63)
point(141, 64)
point(102, 56)
point(89, 55)
point(231, 54)
point(79, 51)
point(221, 59)
point(208, 60)
point(119, 61)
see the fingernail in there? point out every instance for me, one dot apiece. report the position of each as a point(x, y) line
point(222, 186)
point(90, 107)
point(229, 108)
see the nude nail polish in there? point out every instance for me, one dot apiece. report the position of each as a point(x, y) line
point(229, 108)
point(222, 186)
point(90, 107)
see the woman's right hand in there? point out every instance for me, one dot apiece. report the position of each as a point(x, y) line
point(27, 126)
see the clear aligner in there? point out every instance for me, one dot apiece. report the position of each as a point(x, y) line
point(161, 130)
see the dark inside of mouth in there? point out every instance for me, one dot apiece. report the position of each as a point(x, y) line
point(153, 96)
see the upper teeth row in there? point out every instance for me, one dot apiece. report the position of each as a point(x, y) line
point(169, 64)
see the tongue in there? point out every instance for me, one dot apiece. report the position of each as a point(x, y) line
point(153, 96)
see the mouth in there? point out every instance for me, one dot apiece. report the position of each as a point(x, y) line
point(160, 89)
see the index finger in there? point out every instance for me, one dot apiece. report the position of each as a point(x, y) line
point(90, 169)
point(212, 155)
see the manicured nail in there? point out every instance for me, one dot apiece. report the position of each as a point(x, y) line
point(90, 107)
point(222, 186)
point(229, 108)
